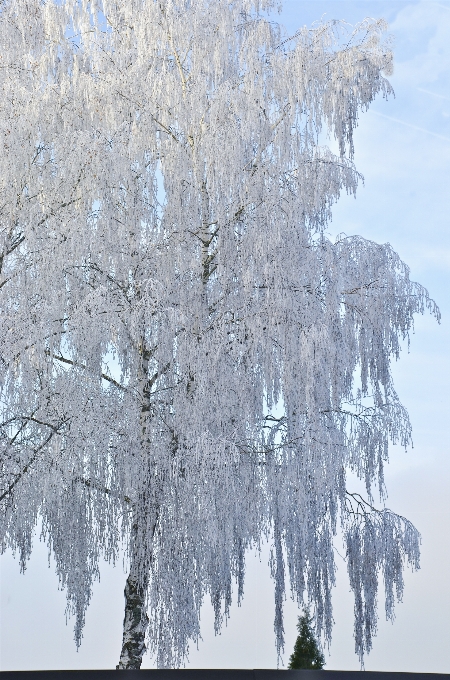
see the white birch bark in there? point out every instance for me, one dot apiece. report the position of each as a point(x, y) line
point(135, 621)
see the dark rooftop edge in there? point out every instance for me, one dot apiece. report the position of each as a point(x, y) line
point(216, 674)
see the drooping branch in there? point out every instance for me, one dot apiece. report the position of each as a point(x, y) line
point(26, 468)
point(104, 376)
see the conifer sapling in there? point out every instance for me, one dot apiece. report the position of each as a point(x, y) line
point(306, 652)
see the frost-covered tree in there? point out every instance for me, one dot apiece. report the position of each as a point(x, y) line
point(189, 366)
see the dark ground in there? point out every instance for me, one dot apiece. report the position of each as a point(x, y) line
point(217, 674)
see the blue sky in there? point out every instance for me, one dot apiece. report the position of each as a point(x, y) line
point(403, 151)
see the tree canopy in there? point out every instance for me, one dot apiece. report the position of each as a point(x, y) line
point(189, 364)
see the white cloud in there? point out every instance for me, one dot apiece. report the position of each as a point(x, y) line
point(422, 31)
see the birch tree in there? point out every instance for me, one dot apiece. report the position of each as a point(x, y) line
point(190, 366)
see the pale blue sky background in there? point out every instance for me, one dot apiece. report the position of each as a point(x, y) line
point(403, 151)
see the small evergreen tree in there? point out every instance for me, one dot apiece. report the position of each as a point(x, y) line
point(306, 651)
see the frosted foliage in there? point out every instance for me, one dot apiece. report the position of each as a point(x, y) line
point(189, 366)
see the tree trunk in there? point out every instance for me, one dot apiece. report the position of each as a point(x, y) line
point(135, 621)
point(134, 624)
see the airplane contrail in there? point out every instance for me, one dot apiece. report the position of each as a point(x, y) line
point(441, 96)
point(410, 125)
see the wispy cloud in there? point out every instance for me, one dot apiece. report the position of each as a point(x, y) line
point(443, 6)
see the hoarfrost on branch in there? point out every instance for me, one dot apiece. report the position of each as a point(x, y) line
point(189, 365)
